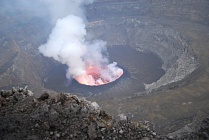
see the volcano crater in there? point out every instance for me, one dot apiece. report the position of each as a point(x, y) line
point(150, 36)
point(153, 55)
point(139, 68)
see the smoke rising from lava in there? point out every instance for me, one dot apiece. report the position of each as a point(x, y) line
point(85, 59)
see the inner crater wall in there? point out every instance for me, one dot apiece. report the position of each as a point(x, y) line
point(138, 30)
point(187, 10)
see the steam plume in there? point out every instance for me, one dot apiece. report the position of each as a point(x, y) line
point(67, 45)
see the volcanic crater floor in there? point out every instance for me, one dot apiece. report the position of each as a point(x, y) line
point(139, 68)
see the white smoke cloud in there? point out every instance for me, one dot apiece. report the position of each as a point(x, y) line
point(67, 43)
point(62, 8)
point(53, 9)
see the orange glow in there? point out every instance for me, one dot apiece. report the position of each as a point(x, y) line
point(93, 76)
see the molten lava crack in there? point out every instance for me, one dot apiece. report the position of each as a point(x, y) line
point(96, 76)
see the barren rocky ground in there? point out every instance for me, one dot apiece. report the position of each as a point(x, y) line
point(65, 116)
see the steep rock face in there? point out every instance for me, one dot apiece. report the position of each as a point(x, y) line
point(150, 35)
point(19, 69)
point(21, 62)
point(190, 10)
point(135, 24)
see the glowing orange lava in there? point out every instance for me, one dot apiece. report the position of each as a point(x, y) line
point(96, 76)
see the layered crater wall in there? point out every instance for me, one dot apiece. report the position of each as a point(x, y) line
point(177, 31)
point(187, 10)
point(20, 62)
point(140, 24)
point(144, 33)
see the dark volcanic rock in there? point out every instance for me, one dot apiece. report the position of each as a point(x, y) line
point(44, 96)
point(62, 117)
point(69, 117)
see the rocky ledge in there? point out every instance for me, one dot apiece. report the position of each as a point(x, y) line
point(65, 116)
